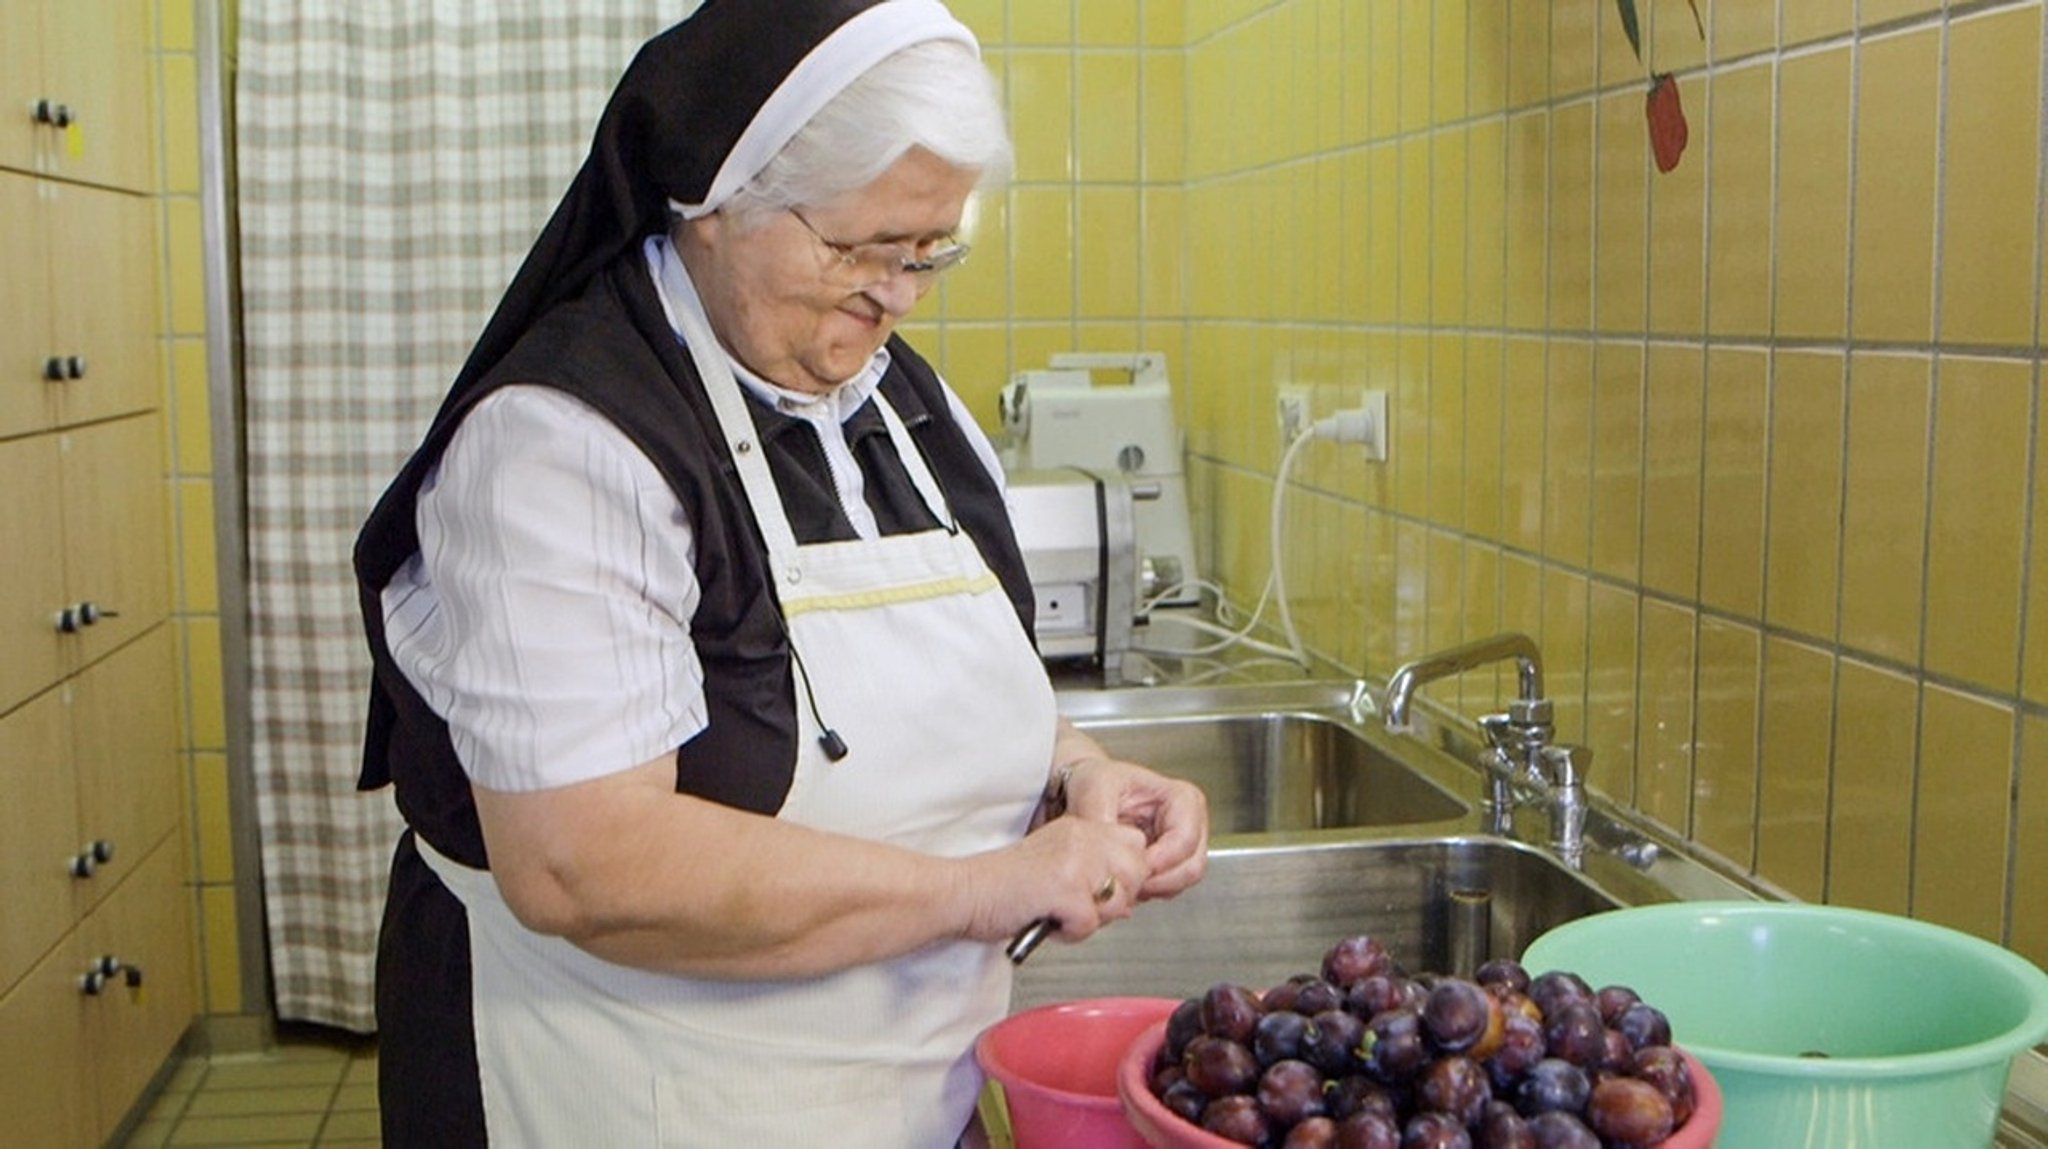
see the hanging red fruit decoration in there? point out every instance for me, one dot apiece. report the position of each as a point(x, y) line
point(1667, 121)
point(1666, 115)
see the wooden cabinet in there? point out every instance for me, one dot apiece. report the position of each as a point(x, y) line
point(32, 576)
point(44, 1024)
point(38, 832)
point(116, 535)
point(81, 1043)
point(95, 939)
point(74, 96)
point(79, 295)
point(84, 514)
point(139, 942)
point(96, 946)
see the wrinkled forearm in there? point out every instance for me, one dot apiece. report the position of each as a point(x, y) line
point(667, 882)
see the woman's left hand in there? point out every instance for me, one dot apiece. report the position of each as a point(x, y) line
point(1173, 813)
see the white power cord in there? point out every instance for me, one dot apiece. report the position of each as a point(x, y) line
point(1354, 425)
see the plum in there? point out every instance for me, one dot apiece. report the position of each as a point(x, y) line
point(1353, 958)
point(1558, 1130)
point(1314, 1133)
point(1555, 989)
point(1237, 1118)
point(1573, 1032)
point(1553, 1085)
point(1644, 1025)
point(1500, 1127)
point(1279, 1036)
point(1612, 999)
point(1334, 1041)
point(1435, 1131)
point(1456, 1086)
point(1368, 1131)
point(1219, 1066)
point(1630, 1110)
point(1291, 1092)
point(1503, 975)
point(1230, 1011)
point(1394, 1045)
point(1460, 1016)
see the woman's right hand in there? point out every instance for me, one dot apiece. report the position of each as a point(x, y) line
point(1082, 874)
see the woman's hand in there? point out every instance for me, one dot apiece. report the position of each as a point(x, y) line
point(1172, 813)
point(1082, 874)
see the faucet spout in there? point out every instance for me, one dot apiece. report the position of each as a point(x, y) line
point(1521, 762)
point(1413, 676)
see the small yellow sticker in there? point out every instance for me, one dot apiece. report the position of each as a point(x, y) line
point(74, 140)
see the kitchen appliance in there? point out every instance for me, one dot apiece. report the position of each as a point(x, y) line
point(1111, 414)
point(1078, 533)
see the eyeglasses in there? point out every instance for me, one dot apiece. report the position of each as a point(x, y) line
point(866, 264)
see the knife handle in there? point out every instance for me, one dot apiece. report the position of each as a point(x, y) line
point(1027, 939)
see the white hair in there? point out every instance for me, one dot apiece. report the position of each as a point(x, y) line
point(935, 95)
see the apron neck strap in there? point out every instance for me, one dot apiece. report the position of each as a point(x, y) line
point(742, 439)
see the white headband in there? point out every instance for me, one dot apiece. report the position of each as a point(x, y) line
point(857, 45)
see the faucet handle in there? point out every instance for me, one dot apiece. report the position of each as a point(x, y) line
point(1567, 765)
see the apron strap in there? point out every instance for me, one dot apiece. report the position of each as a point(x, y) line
point(913, 461)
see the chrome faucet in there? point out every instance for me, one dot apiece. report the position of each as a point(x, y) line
point(1522, 764)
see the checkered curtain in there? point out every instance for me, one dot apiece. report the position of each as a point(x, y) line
point(396, 158)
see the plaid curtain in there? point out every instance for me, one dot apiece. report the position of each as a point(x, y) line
point(396, 159)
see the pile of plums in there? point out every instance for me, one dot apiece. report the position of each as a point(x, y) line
point(1362, 1055)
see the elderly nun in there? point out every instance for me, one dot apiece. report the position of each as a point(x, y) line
point(703, 658)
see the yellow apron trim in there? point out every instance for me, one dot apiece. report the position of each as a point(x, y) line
point(892, 596)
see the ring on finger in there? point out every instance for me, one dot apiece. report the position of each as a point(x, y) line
point(1106, 890)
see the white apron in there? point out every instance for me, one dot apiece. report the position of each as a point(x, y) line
point(916, 659)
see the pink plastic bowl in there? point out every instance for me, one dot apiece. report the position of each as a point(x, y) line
point(1057, 1065)
point(1161, 1128)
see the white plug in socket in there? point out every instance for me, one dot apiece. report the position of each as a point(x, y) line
point(1365, 424)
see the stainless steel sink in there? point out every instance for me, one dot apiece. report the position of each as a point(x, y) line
point(1267, 913)
point(1325, 825)
point(1271, 771)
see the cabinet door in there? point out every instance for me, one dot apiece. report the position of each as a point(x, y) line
point(27, 399)
point(46, 1093)
point(38, 824)
point(96, 60)
point(124, 741)
point(115, 531)
point(145, 1007)
point(103, 291)
point(21, 82)
point(31, 568)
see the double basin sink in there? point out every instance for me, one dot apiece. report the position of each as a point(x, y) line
point(1323, 825)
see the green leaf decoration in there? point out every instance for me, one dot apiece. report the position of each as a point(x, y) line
point(1631, 25)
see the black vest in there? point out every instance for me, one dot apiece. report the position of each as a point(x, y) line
point(613, 349)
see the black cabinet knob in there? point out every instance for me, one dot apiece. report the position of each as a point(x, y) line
point(74, 367)
point(53, 113)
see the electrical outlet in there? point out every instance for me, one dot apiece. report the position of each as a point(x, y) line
point(1290, 410)
point(1374, 403)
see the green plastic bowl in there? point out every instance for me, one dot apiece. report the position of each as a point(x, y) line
point(1824, 1026)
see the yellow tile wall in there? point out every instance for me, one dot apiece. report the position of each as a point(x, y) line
point(1632, 409)
point(1755, 448)
point(196, 609)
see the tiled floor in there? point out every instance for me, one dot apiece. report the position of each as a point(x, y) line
point(312, 1089)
